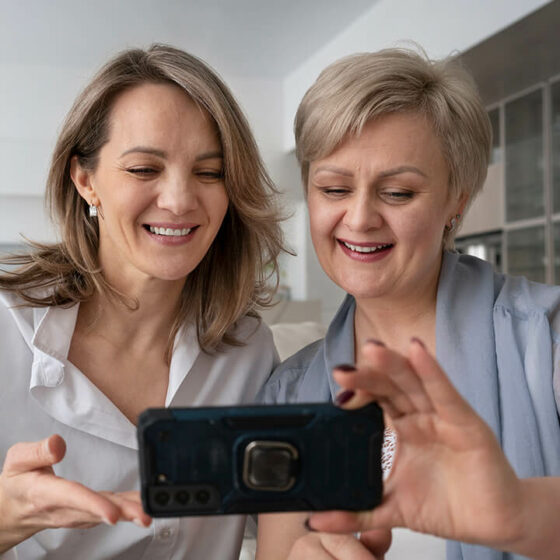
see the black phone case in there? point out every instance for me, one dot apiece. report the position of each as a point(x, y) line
point(249, 459)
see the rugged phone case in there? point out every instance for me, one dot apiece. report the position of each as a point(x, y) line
point(248, 459)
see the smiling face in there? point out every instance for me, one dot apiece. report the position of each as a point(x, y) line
point(378, 206)
point(158, 186)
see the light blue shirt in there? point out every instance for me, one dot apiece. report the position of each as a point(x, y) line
point(497, 339)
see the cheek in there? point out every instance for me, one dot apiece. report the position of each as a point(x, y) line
point(322, 220)
point(217, 206)
point(421, 227)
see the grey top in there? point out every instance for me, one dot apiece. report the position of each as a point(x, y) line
point(496, 337)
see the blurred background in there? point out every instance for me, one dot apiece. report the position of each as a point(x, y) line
point(269, 53)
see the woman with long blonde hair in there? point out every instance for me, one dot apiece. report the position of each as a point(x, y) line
point(167, 223)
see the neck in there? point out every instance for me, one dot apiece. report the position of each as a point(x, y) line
point(395, 320)
point(148, 321)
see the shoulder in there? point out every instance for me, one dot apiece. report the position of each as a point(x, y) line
point(15, 315)
point(520, 296)
point(254, 347)
point(524, 297)
point(252, 331)
point(285, 381)
point(301, 360)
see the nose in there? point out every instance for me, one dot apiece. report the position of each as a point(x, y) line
point(362, 213)
point(178, 194)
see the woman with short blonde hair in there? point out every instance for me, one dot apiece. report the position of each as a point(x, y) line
point(393, 147)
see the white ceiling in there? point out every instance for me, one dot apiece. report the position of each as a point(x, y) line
point(251, 38)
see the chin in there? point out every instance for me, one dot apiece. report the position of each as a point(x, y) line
point(170, 274)
point(362, 288)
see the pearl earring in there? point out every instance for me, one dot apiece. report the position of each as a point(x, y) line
point(452, 223)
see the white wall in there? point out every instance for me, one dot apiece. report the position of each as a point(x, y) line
point(441, 27)
point(33, 102)
point(488, 208)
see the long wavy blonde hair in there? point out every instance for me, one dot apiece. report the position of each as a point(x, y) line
point(234, 277)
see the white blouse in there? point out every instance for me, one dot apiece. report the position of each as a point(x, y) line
point(42, 393)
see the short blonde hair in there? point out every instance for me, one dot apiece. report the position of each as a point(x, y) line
point(355, 89)
point(232, 279)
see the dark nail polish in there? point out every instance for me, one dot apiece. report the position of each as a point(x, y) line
point(344, 397)
point(346, 368)
point(375, 341)
point(418, 341)
point(308, 527)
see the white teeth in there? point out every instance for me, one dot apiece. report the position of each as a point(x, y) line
point(169, 231)
point(360, 249)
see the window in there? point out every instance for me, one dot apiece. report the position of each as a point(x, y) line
point(524, 157)
point(526, 253)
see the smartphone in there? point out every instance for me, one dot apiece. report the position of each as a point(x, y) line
point(256, 459)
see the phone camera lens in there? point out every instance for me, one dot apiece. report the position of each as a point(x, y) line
point(182, 497)
point(202, 496)
point(162, 498)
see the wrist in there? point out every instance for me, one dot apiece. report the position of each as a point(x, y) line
point(538, 535)
point(11, 534)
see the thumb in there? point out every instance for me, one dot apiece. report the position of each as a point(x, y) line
point(28, 456)
point(377, 541)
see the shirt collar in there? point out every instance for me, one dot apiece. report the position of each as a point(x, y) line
point(54, 327)
point(339, 341)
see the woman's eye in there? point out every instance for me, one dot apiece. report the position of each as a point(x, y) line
point(212, 175)
point(142, 171)
point(334, 191)
point(398, 196)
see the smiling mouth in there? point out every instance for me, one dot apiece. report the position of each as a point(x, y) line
point(169, 232)
point(366, 249)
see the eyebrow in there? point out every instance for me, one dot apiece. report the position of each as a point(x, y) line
point(333, 169)
point(217, 154)
point(145, 150)
point(402, 169)
point(210, 155)
point(388, 173)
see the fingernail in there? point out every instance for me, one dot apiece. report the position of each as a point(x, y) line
point(137, 521)
point(346, 368)
point(344, 397)
point(375, 341)
point(108, 522)
point(418, 341)
point(308, 526)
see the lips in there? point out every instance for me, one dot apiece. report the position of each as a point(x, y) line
point(365, 252)
point(169, 230)
point(366, 248)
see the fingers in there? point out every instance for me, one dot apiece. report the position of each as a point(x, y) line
point(377, 541)
point(24, 457)
point(379, 519)
point(387, 377)
point(54, 493)
point(324, 546)
point(445, 399)
point(130, 506)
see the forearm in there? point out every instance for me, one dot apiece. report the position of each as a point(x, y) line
point(9, 539)
point(540, 538)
